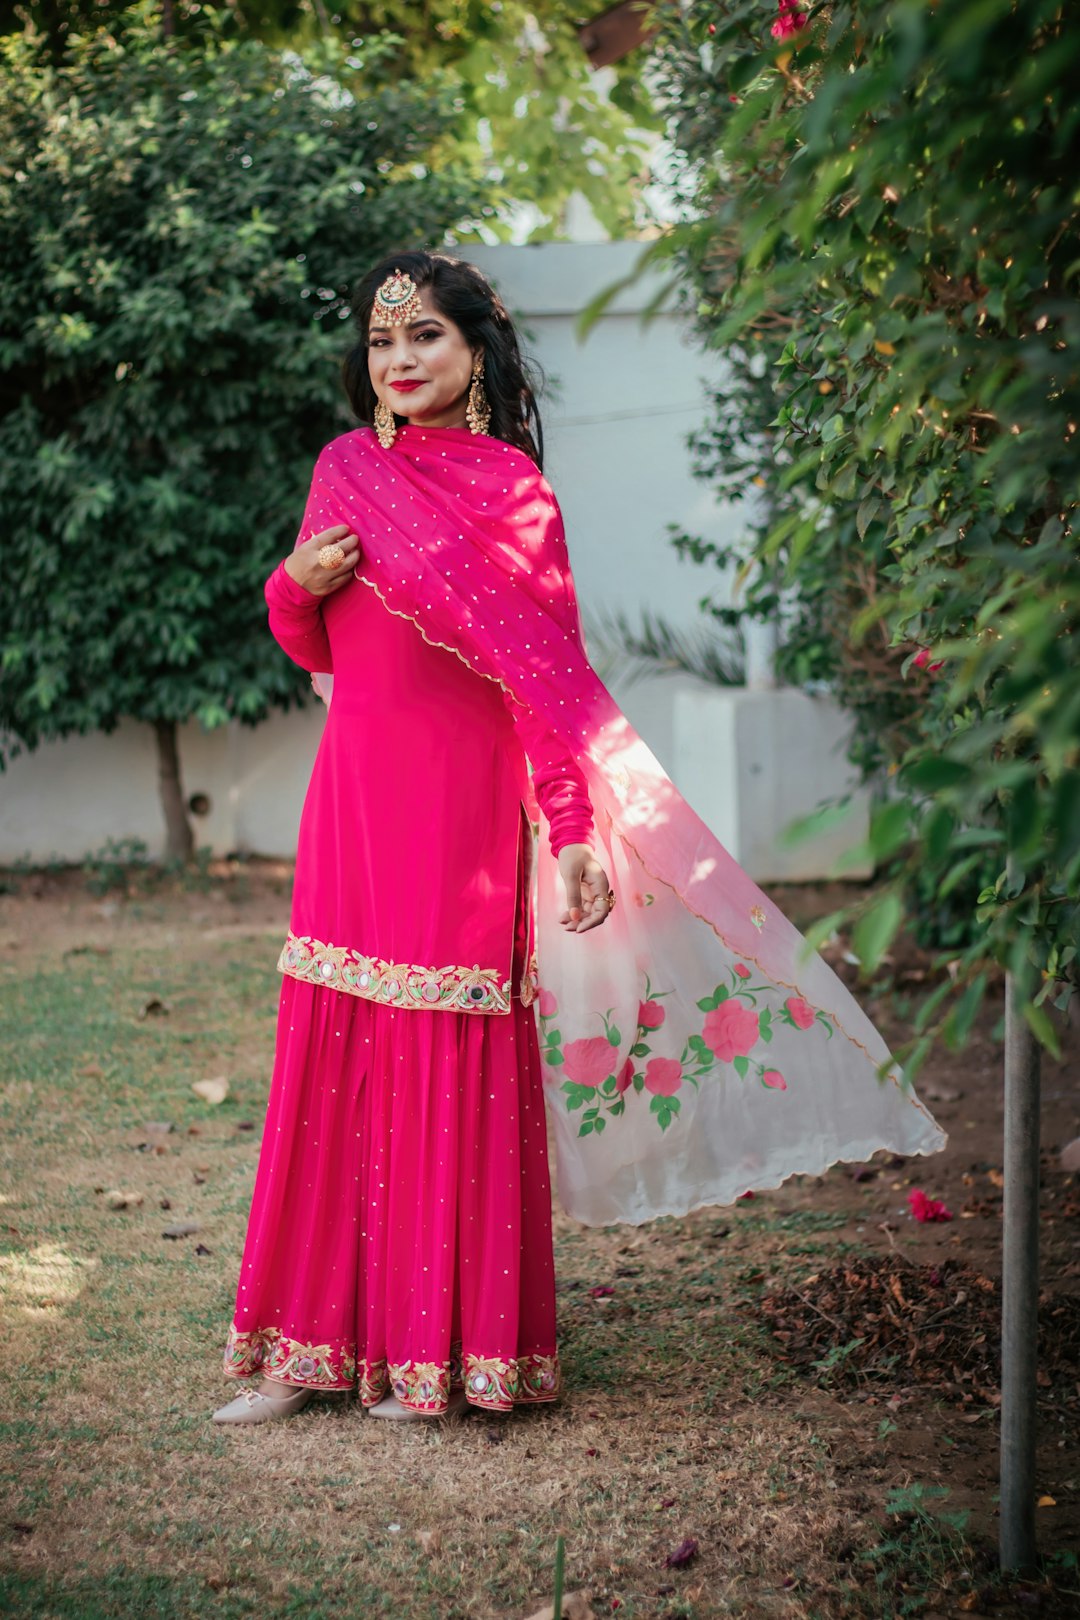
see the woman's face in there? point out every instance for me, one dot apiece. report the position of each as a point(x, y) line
point(423, 370)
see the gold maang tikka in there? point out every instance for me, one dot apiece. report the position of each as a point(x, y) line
point(397, 301)
point(478, 409)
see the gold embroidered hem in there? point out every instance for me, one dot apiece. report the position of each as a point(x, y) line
point(489, 1382)
point(453, 989)
point(275, 1355)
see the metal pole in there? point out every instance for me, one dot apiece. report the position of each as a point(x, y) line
point(1019, 1288)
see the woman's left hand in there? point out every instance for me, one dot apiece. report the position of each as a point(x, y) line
point(587, 888)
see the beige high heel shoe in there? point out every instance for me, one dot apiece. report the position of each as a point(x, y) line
point(252, 1406)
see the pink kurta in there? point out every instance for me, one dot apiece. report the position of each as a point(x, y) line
point(400, 1230)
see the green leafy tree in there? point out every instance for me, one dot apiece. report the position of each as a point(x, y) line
point(887, 250)
point(535, 118)
point(179, 228)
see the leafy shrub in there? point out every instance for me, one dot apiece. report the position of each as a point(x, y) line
point(886, 250)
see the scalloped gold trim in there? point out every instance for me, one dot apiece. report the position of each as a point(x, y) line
point(395, 984)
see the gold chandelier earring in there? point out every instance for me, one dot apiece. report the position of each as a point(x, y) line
point(478, 410)
point(385, 426)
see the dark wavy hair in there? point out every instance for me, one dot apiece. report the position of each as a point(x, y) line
point(466, 297)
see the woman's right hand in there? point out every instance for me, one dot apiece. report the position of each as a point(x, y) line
point(304, 567)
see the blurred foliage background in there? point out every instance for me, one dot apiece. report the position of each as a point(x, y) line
point(532, 117)
point(187, 196)
point(179, 228)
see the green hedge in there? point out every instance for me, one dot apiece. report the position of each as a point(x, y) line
point(886, 250)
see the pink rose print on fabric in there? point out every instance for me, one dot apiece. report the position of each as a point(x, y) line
point(663, 1076)
point(802, 1014)
point(650, 1015)
point(590, 1060)
point(730, 1031)
point(624, 1076)
point(773, 1079)
point(742, 970)
point(548, 1005)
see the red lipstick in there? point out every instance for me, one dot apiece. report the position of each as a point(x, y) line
point(406, 387)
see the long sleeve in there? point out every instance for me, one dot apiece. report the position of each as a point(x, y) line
point(296, 622)
point(557, 779)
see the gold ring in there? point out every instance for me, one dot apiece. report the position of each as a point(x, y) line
point(330, 556)
point(610, 897)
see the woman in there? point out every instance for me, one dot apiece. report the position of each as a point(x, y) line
point(400, 1230)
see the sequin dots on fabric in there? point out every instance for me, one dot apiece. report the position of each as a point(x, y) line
point(400, 1230)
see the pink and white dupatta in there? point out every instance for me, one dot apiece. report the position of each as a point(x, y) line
point(693, 1048)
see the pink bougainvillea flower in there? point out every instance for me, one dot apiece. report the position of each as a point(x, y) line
point(601, 1291)
point(625, 1077)
point(663, 1076)
point(731, 1030)
point(922, 660)
point(790, 21)
point(774, 1080)
point(746, 1195)
point(590, 1060)
point(802, 1014)
point(742, 970)
point(548, 1005)
point(927, 1209)
point(650, 1015)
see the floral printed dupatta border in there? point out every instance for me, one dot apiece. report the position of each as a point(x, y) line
point(693, 1048)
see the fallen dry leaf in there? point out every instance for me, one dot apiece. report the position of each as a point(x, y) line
point(212, 1091)
point(154, 1007)
point(124, 1200)
point(684, 1554)
point(200, 1248)
point(182, 1229)
point(1047, 1501)
point(90, 1071)
point(430, 1540)
point(575, 1606)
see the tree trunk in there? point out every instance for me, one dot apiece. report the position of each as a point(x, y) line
point(168, 19)
point(179, 843)
point(1019, 1289)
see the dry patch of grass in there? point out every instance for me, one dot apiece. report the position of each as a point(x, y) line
point(121, 1499)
